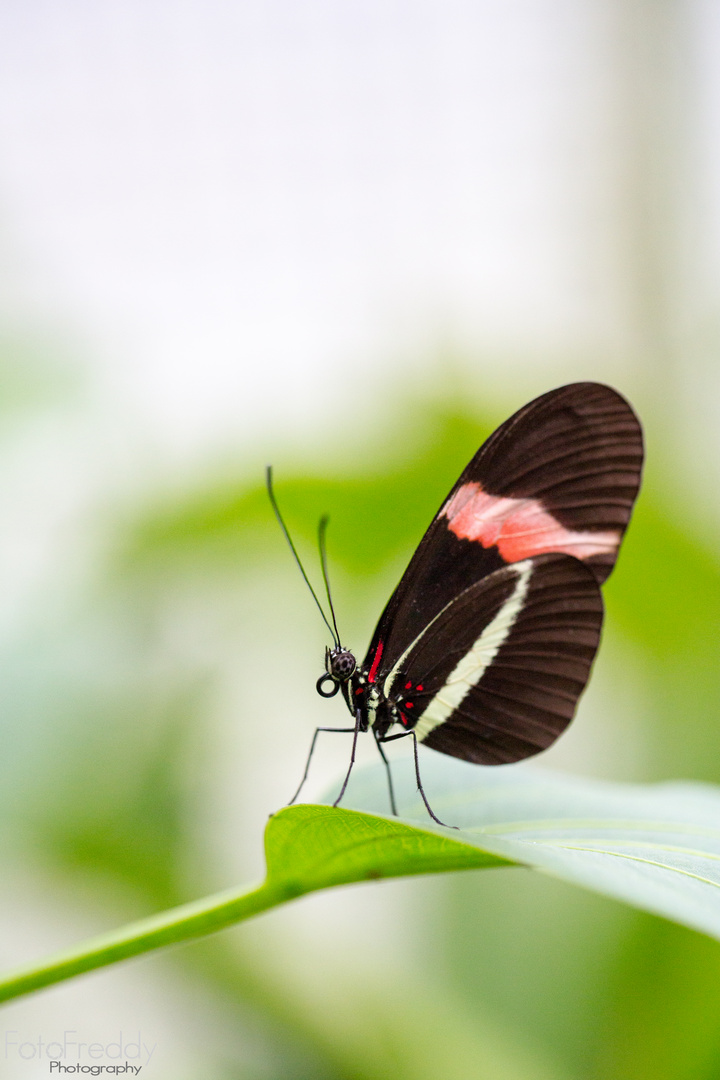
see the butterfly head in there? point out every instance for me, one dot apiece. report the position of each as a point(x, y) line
point(340, 664)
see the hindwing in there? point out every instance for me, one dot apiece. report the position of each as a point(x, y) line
point(497, 675)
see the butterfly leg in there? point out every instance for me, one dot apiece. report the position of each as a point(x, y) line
point(356, 729)
point(402, 735)
point(393, 807)
point(346, 730)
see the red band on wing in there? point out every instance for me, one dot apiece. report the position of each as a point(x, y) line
point(519, 528)
point(376, 663)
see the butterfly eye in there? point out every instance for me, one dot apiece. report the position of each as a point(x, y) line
point(340, 664)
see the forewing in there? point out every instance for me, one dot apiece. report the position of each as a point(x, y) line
point(498, 674)
point(561, 475)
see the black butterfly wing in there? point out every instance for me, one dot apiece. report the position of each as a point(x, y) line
point(561, 475)
point(497, 676)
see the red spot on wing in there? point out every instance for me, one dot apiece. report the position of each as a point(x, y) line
point(408, 686)
point(419, 686)
point(376, 662)
point(519, 528)
point(358, 691)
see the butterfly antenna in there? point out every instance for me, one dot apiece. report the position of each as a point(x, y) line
point(322, 529)
point(278, 515)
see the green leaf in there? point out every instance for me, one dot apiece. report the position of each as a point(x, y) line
point(657, 847)
point(307, 848)
point(314, 847)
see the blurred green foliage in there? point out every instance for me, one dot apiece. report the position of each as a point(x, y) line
point(522, 976)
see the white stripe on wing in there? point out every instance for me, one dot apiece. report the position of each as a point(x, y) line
point(473, 665)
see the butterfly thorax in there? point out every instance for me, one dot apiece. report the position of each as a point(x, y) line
point(377, 709)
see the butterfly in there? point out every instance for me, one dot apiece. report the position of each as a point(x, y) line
point(486, 644)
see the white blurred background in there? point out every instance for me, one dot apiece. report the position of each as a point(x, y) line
point(228, 228)
point(245, 214)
